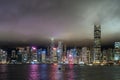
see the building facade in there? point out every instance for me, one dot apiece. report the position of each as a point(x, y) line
point(117, 51)
point(97, 43)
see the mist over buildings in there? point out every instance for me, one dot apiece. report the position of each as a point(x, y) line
point(29, 22)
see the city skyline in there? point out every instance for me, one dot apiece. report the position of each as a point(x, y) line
point(59, 39)
point(35, 22)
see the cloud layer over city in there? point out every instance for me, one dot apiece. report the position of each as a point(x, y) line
point(36, 21)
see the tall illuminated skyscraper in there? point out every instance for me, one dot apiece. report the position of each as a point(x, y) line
point(51, 46)
point(97, 42)
point(117, 51)
point(60, 51)
point(52, 50)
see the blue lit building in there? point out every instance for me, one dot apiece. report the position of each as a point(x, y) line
point(43, 56)
point(39, 52)
point(117, 51)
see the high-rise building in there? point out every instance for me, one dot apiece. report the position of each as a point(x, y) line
point(28, 53)
point(60, 51)
point(39, 52)
point(19, 54)
point(3, 57)
point(53, 51)
point(52, 47)
point(34, 55)
point(117, 51)
point(110, 55)
point(24, 57)
point(84, 55)
point(13, 54)
point(43, 56)
point(65, 48)
point(97, 43)
point(117, 45)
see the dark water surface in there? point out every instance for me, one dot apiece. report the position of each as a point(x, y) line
point(54, 72)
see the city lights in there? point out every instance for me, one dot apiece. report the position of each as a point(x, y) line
point(57, 53)
point(34, 48)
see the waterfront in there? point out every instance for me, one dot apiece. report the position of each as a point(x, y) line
point(58, 72)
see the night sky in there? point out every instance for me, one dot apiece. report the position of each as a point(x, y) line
point(29, 22)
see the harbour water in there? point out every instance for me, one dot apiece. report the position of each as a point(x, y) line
point(58, 72)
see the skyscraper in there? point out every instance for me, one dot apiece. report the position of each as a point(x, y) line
point(60, 51)
point(52, 50)
point(97, 43)
point(52, 45)
point(117, 51)
point(84, 55)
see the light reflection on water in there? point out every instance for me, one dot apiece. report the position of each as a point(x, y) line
point(58, 72)
point(33, 72)
point(3, 70)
